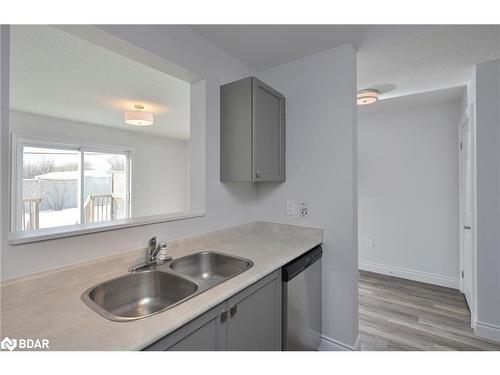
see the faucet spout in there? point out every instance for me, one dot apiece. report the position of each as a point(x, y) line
point(156, 255)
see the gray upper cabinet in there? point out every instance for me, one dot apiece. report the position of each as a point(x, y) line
point(252, 132)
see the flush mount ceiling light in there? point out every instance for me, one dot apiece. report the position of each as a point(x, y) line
point(139, 117)
point(368, 96)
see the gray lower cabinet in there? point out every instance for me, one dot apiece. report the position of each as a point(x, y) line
point(250, 320)
point(202, 333)
point(252, 132)
point(255, 317)
point(203, 339)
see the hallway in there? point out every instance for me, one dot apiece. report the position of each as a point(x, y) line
point(398, 314)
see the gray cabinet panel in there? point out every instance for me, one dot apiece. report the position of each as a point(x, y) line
point(250, 320)
point(255, 317)
point(236, 131)
point(204, 338)
point(252, 132)
point(268, 133)
point(202, 333)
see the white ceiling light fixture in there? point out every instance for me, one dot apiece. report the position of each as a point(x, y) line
point(367, 96)
point(139, 117)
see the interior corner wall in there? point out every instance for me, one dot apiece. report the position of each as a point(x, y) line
point(321, 170)
point(226, 204)
point(408, 191)
point(487, 98)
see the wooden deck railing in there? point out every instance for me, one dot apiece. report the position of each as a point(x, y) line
point(31, 213)
point(99, 208)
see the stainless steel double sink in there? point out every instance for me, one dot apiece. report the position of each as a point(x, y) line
point(157, 288)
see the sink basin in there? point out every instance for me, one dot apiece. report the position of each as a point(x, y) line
point(210, 265)
point(138, 295)
point(162, 286)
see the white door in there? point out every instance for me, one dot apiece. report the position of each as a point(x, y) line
point(466, 208)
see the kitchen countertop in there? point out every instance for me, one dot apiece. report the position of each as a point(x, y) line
point(48, 305)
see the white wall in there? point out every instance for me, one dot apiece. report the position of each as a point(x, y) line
point(321, 157)
point(159, 166)
point(321, 170)
point(4, 140)
point(226, 204)
point(487, 110)
point(408, 192)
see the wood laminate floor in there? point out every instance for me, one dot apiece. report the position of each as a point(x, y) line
point(399, 314)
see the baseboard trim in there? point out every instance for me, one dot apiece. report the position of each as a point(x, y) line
point(487, 331)
point(328, 344)
point(357, 344)
point(414, 275)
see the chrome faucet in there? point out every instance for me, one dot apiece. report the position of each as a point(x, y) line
point(152, 250)
point(157, 254)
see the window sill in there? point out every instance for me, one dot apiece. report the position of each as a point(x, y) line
point(17, 238)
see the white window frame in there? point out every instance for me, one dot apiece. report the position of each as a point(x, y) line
point(21, 141)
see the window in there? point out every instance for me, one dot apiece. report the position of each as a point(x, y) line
point(60, 184)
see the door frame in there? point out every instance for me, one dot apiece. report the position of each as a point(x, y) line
point(468, 116)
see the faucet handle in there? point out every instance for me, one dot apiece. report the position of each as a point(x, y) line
point(162, 256)
point(152, 249)
point(152, 244)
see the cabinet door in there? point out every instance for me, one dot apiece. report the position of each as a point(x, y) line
point(268, 133)
point(236, 131)
point(204, 338)
point(202, 333)
point(254, 321)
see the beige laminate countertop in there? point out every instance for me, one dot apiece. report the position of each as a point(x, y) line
point(44, 306)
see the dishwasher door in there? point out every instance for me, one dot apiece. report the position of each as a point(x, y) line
point(302, 302)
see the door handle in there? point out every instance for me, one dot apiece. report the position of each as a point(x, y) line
point(223, 316)
point(233, 310)
point(467, 227)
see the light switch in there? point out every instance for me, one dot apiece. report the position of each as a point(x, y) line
point(370, 243)
point(291, 208)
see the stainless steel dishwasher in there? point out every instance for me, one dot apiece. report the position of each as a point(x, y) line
point(302, 302)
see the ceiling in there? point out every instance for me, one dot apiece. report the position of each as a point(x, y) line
point(427, 61)
point(410, 58)
point(57, 74)
point(415, 100)
point(264, 46)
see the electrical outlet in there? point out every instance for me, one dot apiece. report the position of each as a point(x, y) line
point(291, 208)
point(303, 209)
point(370, 243)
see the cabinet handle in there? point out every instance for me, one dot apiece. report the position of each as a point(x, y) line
point(233, 310)
point(223, 316)
point(257, 174)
